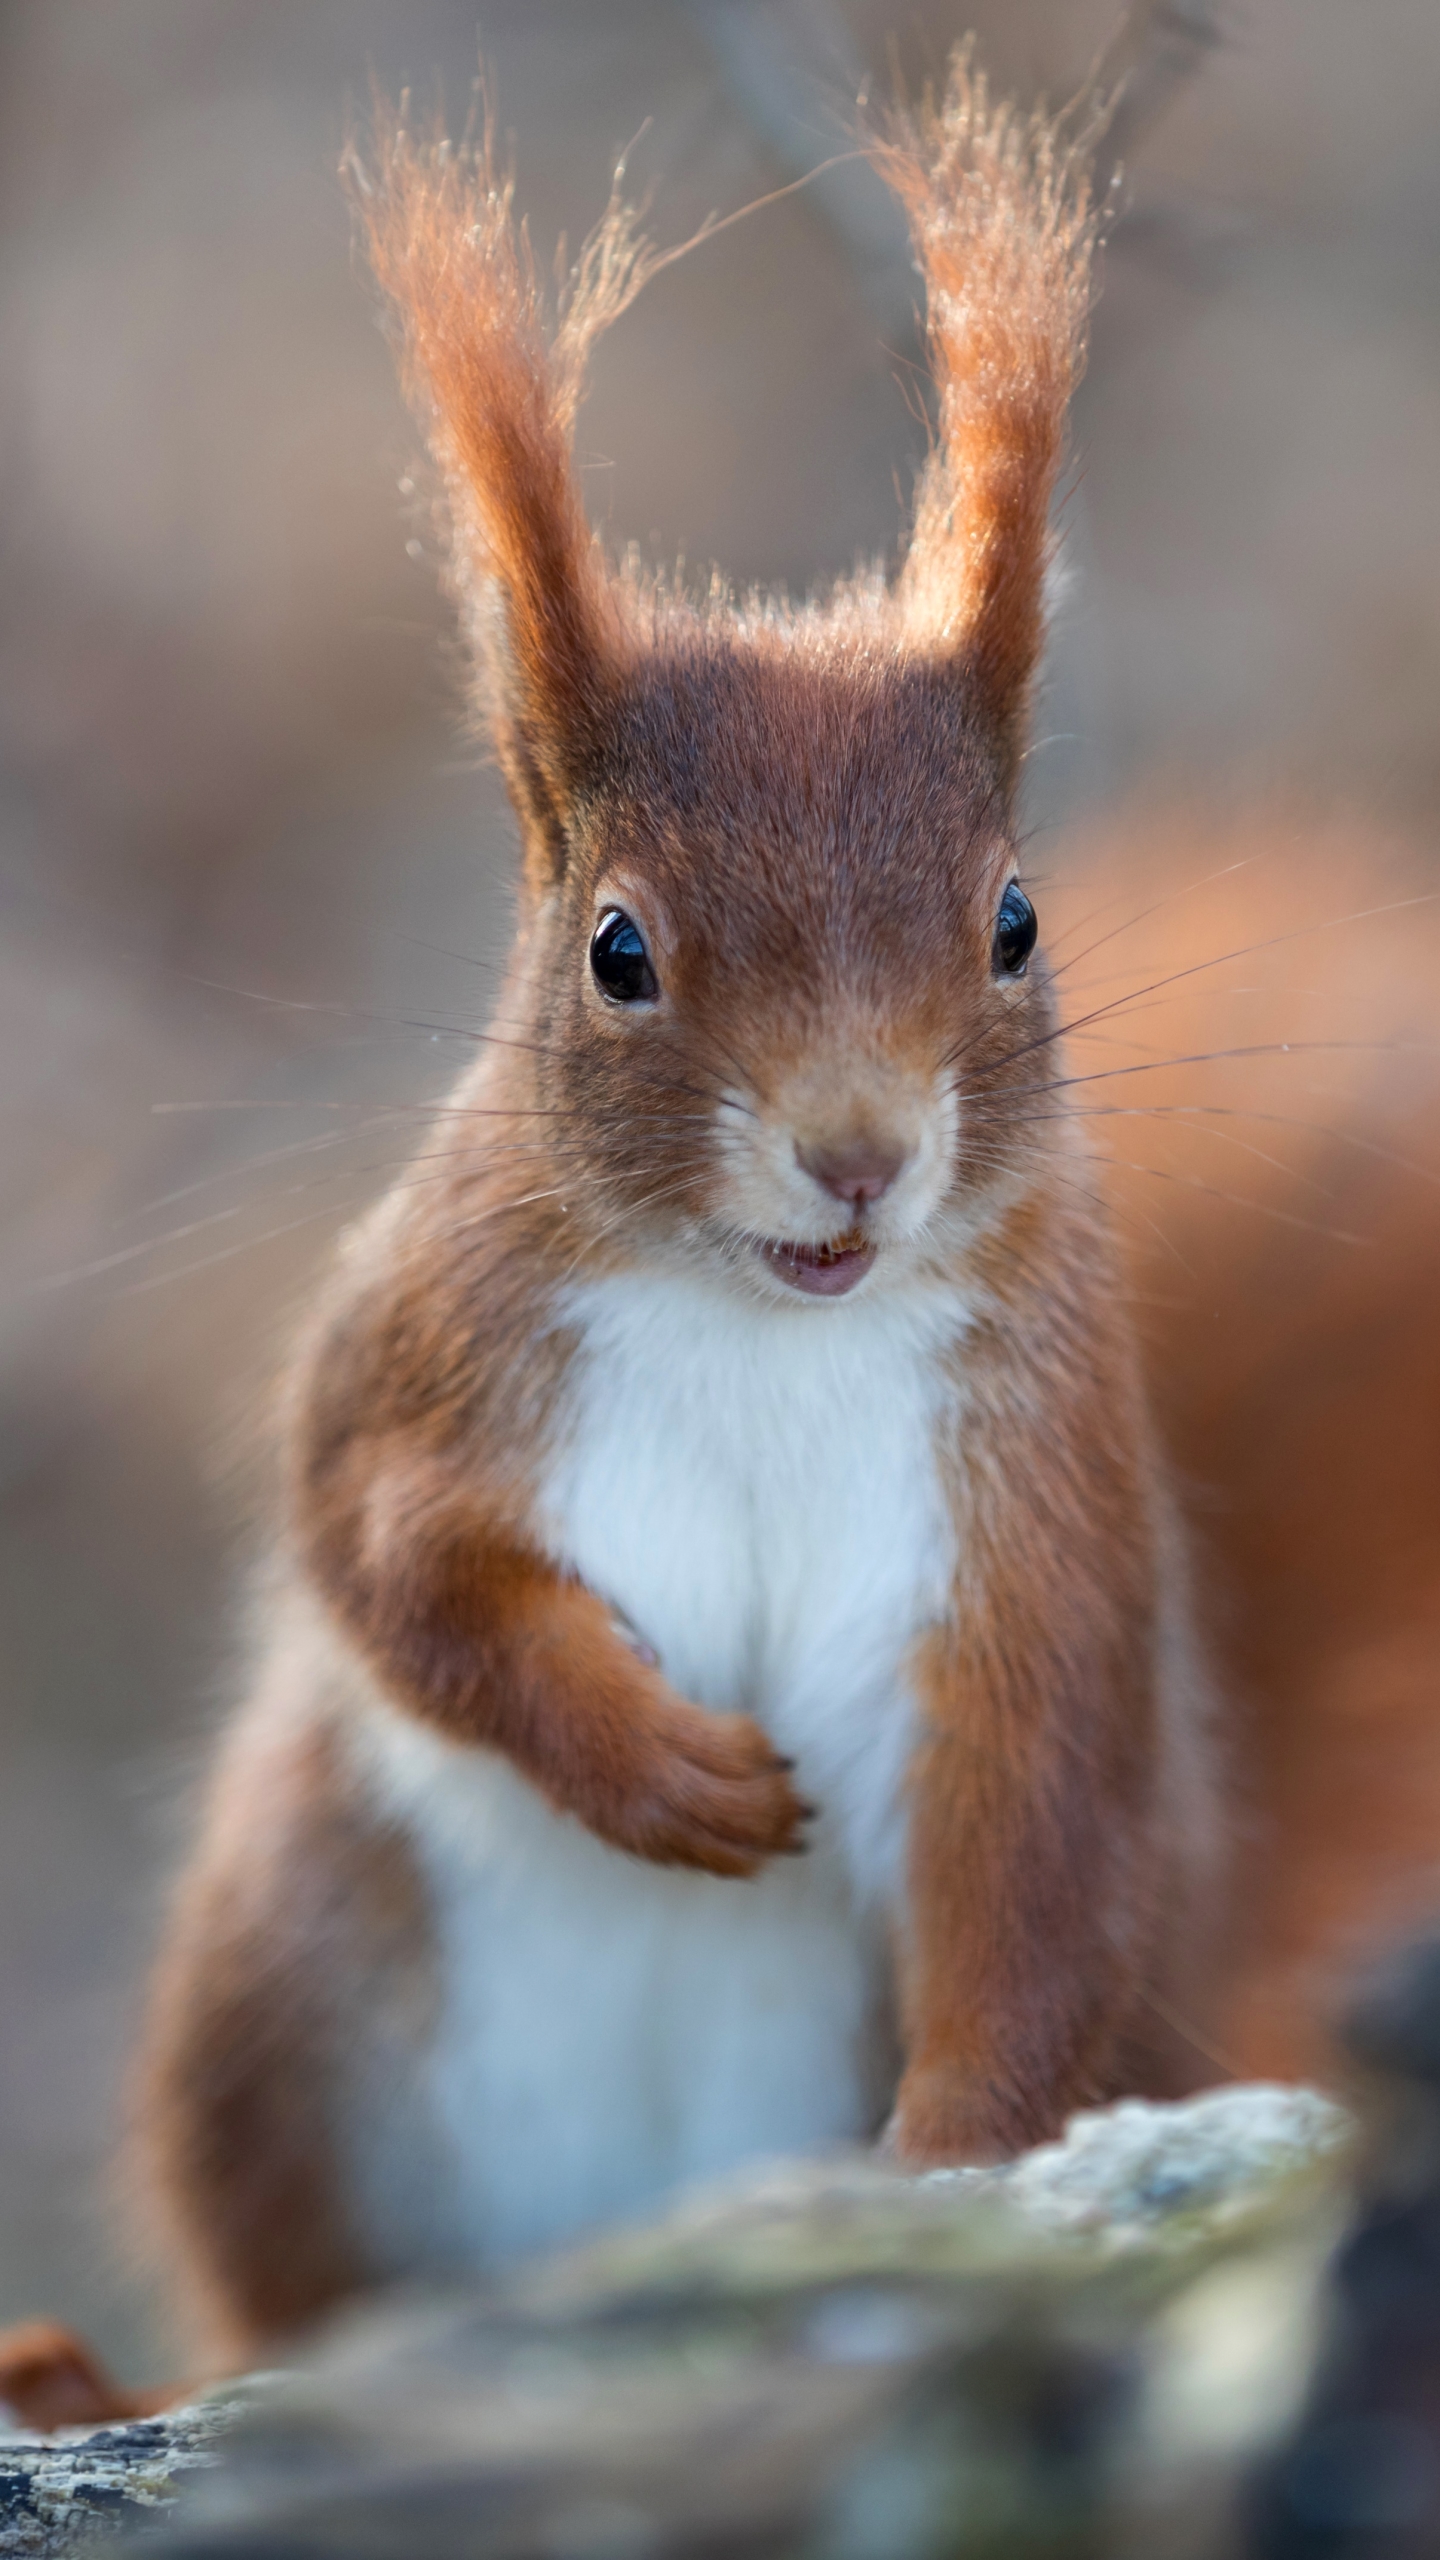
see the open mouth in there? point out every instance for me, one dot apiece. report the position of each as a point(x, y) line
point(821, 1270)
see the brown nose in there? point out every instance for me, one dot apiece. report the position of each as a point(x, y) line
point(858, 1173)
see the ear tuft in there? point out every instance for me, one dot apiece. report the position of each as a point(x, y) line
point(498, 392)
point(1004, 227)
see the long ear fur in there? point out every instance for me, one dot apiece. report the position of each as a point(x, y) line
point(499, 403)
point(1004, 229)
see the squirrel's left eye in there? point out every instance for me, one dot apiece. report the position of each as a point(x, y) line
point(620, 962)
point(1015, 931)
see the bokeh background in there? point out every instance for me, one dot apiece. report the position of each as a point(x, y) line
point(248, 866)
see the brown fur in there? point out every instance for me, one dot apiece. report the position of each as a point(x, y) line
point(1004, 230)
point(49, 2379)
point(297, 1955)
point(810, 815)
point(410, 1498)
point(1281, 1209)
point(863, 758)
point(1039, 1845)
point(502, 403)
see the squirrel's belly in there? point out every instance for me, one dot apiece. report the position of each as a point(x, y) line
point(757, 1490)
point(606, 2030)
point(759, 1497)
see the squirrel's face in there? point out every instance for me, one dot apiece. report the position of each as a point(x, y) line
point(792, 987)
point(786, 1021)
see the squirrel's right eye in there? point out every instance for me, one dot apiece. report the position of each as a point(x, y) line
point(620, 961)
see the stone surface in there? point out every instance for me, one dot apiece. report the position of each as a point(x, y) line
point(69, 2491)
point(1070, 2355)
point(1129, 2173)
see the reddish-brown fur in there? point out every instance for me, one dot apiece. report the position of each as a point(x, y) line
point(49, 2378)
point(1282, 1215)
point(1001, 214)
point(428, 1556)
point(812, 817)
point(811, 814)
point(299, 1933)
point(1029, 1945)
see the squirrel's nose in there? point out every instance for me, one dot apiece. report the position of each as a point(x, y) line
point(857, 1174)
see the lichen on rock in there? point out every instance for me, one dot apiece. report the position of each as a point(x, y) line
point(71, 2490)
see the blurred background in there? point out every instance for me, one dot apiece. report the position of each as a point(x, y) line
point(247, 864)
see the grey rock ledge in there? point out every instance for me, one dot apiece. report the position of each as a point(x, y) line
point(821, 2262)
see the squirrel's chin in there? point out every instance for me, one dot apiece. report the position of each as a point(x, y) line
point(821, 1270)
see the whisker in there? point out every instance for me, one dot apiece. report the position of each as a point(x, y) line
point(439, 1103)
point(1144, 914)
point(1197, 968)
point(448, 951)
point(492, 1209)
point(1235, 1199)
point(226, 1253)
point(1202, 1111)
point(385, 1114)
point(261, 1163)
point(631, 1208)
point(1222, 1137)
point(1093, 1195)
point(1243, 1200)
point(1211, 1057)
point(100, 1264)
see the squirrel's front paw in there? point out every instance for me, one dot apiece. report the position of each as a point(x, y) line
point(709, 1792)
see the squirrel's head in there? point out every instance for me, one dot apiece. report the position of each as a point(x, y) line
point(786, 999)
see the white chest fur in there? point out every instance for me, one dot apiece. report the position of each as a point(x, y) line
point(755, 1490)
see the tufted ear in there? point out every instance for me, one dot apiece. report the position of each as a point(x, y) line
point(1002, 220)
point(499, 393)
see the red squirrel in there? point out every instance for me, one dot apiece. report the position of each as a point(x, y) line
point(732, 1685)
point(732, 1680)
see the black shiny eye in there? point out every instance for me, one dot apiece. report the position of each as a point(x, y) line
point(1015, 931)
point(620, 960)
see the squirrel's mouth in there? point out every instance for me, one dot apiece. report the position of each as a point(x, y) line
point(821, 1270)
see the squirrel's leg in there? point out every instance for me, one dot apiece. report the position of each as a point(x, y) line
point(259, 2008)
point(1034, 1832)
point(296, 1968)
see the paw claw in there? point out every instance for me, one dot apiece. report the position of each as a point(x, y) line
point(714, 1794)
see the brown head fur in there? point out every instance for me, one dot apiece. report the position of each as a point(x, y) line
point(807, 812)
